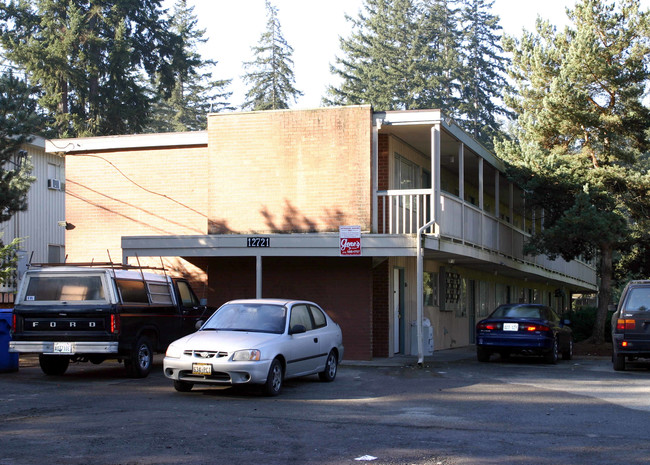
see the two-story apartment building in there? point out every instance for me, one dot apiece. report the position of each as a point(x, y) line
point(254, 207)
point(42, 226)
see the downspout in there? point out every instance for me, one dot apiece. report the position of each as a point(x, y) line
point(420, 291)
point(435, 209)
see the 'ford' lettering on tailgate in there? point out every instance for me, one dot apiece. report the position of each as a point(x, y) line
point(63, 325)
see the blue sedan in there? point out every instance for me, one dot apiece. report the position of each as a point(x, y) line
point(526, 329)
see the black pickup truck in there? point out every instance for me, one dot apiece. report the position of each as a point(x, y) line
point(92, 314)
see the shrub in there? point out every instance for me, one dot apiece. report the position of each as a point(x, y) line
point(582, 323)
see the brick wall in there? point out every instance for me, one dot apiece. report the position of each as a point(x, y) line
point(342, 286)
point(133, 193)
point(283, 171)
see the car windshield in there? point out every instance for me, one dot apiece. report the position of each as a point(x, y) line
point(638, 300)
point(517, 311)
point(263, 318)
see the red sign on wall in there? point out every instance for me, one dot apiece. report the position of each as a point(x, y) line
point(350, 240)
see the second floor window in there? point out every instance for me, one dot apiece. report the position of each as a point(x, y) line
point(407, 173)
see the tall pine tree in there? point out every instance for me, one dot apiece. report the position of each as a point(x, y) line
point(443, 55)
point(382, 59)
point(195, 92)
point(94, 61)
point(270, 75)
point(483, 81)
point(582, 128)
point(410, 54)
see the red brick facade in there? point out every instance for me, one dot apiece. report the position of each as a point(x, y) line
point(342, 286)
point(290, 171)
point(143, 192)
point(262, 172)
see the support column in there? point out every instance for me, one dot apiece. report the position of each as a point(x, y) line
point(374, 174)
point(461, 187)
point(258, 277)
point(435, 176)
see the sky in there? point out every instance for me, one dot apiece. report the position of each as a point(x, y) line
point(313, 29)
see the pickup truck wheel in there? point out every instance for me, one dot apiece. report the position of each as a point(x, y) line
point(53, 365)
point(139, 364)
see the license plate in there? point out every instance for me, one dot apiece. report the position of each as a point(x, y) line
point(511, 326)
point(201, 369)
point(63, 348)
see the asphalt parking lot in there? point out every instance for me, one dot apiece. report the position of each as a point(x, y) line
point(453, 410)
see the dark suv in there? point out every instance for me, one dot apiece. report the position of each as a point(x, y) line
point(631, 325)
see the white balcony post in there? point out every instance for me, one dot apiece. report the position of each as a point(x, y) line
point(497, 192)
point(480, 199)
point(435, 174)
point(374, 173)
point(461, 188)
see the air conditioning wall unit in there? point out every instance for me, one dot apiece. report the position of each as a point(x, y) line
point(54, 184)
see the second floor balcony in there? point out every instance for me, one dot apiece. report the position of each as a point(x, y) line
point(453, 181)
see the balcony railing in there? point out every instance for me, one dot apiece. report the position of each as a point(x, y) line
point(404, 211)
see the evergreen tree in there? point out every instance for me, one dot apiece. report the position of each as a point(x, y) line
point(94, 61)
point(410, 54)
point(195, 92)
point(482, 81)
point(270, 74)
point(582, 132)
point(19, 119)
point(443, 55)
point(384, 58)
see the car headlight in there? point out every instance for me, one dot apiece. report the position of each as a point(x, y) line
point(250, 355)
point(174, 351)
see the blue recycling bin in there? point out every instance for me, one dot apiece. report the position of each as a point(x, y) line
point(8, 360)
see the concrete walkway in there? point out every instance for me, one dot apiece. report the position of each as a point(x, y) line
point(439, 356)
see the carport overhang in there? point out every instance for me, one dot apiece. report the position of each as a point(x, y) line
point(377, 246)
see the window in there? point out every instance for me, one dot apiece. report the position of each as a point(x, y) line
point(430, 289)
point(55, 253)
point(187, 296)
point(406, 173)
point(160, 293)
point(300, 316)
point(132, 291)
point(64, 288)
point(318, 316)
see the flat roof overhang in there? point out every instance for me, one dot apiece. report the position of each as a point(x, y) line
point(280, 245)
point(327, 245)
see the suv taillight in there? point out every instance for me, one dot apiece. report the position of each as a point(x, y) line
point(622, 325)
point(115, 324)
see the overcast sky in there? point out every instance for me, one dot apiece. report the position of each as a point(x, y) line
point(313, 29)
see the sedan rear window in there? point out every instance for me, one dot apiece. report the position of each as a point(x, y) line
point(518, 311)
point(638, 300)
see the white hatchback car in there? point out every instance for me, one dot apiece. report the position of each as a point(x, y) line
point(257, 341)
